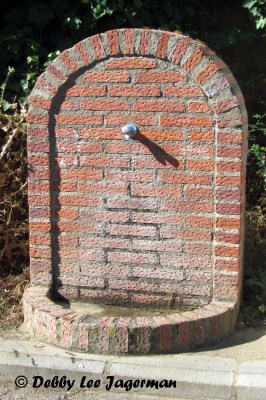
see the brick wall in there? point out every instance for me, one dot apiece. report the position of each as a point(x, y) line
point(157, 220)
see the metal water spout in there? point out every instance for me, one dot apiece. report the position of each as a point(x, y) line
point(130, 130)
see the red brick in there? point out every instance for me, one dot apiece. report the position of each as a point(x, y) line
point(127, 148)
point(103, 76)
point(38, 118)
point(35, 173)
point(132, 257)
point(39, 226)
point(161, 191)
point(228, 180)
point(83, 53)
point(131, 285)
point(97, 46)
point(62, 133)
point(81, 147)
point(104, 270)
point(173, 205)
point(40, 239)
point(197, 248)
point(193, 60)
point(204, 165)
point(140, 120)
point(229, 123)
point(182, 91)
point(41, 103)
point(65, 161)
point(38, 265)
point(67, 240)
point(185, 261)
point(103, 162)
point(39, 161)
point(65, 213)
point(227, 265)
point(228, 223)
point(158, 105)
point(78, 226)
point(134, 90)
point(96, 255)
point(152, 218)
point(186, 121)
point(81, 174)
point(69, 105)
point(131, 230)
point(105, 216)
point(172, 233)
point(144, 77)
point(76, 119)
point(228, 208)
point(226, 251)
point(205, 222)
point(100, 133)
point(150, 300)
point(151, 162)
point(158, 273)
point(130, 63)
point(39, 212)
point(179, 50)
point(157, 245)
point(102, 188)
point(161, 51)
point(38, 133)
point(84, 91)
point(65, 186)
point(227, 166)
point(44, 84)
point(199, 150)
point(103, 105)
point(198, 275)
point(172, 177)
point(78, 201)
point(69, 61)
point(125, 176)
point(106, 242)
point(132, 203)
point(40, 252)
point(38, 186)
point(233, 238)
point(226, 105)
point(207, 72)
point(162, 134)
point(113, 42)
point(198, 106)
point(204, 136)
point(199, 193)
point(55, 71)
point(224, 151)
point(39, 200)
point(228, 195)
point(232, 137)
point(145, 37)
point(128, 41)
point(39, 147)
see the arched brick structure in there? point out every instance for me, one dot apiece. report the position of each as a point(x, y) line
point(156, 221)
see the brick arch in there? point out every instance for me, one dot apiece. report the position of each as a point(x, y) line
point(209, 74)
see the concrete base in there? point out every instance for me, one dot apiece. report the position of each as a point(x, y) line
point(152, 333)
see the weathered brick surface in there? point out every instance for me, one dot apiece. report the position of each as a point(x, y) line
point(153, 221)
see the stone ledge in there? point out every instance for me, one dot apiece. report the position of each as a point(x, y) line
point(168, 333)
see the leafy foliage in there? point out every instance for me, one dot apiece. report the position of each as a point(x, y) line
point(256, 176)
